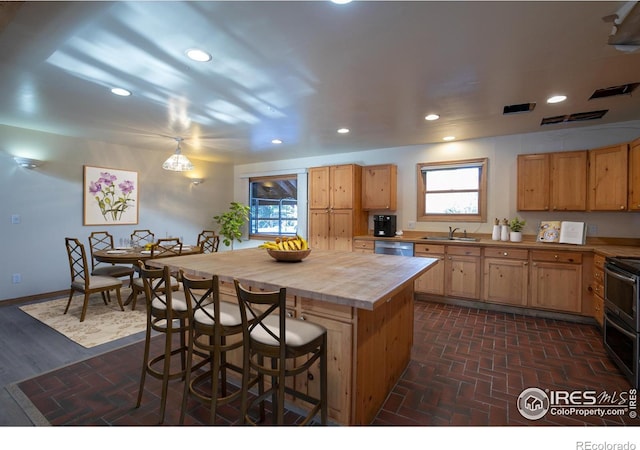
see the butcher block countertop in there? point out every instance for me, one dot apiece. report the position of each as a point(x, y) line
point(358, 280)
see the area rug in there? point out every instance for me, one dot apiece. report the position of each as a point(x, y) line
point(102, 324)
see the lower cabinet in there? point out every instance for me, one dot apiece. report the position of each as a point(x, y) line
point(363, 246)
point(598, 288)
point(462, 272)
point(506, 276)
point(432, 281)
point(556, 280)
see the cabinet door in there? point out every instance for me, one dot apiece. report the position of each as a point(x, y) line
point(379, 187)
point(462, 276)
point(342, 183)
point(339, 368)
point(319, 191)
point(533, 182)
point(569, 181)
point(608, 178)
point(432, 281)
point(634, 176)
point(319, 229)
point(505, 281)
point(341, 230)
point(556, 286)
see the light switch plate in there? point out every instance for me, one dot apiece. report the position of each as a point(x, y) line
point(15, 219)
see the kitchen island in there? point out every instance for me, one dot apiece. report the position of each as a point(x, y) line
point(365, 302)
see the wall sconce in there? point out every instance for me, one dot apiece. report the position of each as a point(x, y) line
point(197, 181)
point(27, 163)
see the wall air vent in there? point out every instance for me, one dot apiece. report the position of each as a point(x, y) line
point(516, 109)
point(624, 89)
point(577, 117)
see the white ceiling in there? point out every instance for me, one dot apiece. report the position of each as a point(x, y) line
point(298, 71)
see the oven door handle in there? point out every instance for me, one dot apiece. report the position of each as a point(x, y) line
point(620, 329)
point(620, 277)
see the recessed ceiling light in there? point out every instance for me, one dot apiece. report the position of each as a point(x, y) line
point(448, 138)
point(557, 99)
point(121, 92)
point(198, 55)
point(432, 117)
point(276, 141)
point(343, 130)
point(340, 2)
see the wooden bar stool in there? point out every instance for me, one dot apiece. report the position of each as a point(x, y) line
point(278, 347)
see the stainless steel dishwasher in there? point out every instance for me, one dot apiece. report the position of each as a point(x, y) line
point(394, 248)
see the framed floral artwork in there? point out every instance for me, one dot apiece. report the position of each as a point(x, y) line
point(110, 196)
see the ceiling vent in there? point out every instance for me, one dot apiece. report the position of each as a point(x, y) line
point(577, 117)
point(624, 89)
point(517, 109)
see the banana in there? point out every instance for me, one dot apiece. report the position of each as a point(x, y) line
point(287, 243)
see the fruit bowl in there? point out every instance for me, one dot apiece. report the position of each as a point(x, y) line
point(288, 255)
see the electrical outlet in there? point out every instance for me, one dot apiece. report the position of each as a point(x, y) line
point(15, 219)
point(411, 225)
point(592, 229)
point(16, 278)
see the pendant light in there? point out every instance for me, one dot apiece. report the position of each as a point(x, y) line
point(178, 162)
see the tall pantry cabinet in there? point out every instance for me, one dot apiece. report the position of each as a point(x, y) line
point(335, 207)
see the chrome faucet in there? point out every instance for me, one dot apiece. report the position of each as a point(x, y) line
point(451, 231)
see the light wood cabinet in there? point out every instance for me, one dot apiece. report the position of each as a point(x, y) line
point(363, 246)
point(569, 181)
point(634, 176)
point(462, 272)
point(598, 288)
point(337, 320)
point(533, 182)
point(506, 276)
point(552, 181)
point(379, 187)
point(608, 172)
point(432, 281)
point(335, 211)
point(556, 280)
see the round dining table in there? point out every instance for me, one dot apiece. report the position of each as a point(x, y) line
point(130, 255)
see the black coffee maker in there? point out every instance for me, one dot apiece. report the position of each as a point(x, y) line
point(384, 226)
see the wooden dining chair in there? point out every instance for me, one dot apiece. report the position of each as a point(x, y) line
point(215, 328)
point(167, 314)
point(279, 347)
point(209, 244)
point(103, 240)
point(82, 280)
point(139, 238)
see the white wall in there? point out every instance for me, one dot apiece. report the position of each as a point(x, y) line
point(501, 151)
point(49, 202)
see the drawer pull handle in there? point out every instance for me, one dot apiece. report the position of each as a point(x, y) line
point(505, 254)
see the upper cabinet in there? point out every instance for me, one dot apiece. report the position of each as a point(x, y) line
point(379, 187)
point(533, 182)
point(552, 181)
point(634, 176)
point(608, 171)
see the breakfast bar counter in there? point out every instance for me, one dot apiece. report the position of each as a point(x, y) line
point(364, 300)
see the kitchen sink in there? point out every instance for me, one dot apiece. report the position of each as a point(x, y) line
point(446, 238)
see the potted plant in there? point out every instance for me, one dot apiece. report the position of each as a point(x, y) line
point(516, 225)
point(231, 223)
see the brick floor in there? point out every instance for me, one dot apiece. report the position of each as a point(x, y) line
point(468, 367)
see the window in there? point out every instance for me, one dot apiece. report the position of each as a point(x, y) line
point(452, 191)
point(274, 206)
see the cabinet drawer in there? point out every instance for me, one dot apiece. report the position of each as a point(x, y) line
point(551, 256)
point(326, 309)
point(506, 253)
point(363, 245)
point(427, 248)
point(463, 251)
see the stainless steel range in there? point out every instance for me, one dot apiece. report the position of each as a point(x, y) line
point(621, 318)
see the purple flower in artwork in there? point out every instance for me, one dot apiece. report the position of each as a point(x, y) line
point(113, 201)
point(126, 187)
